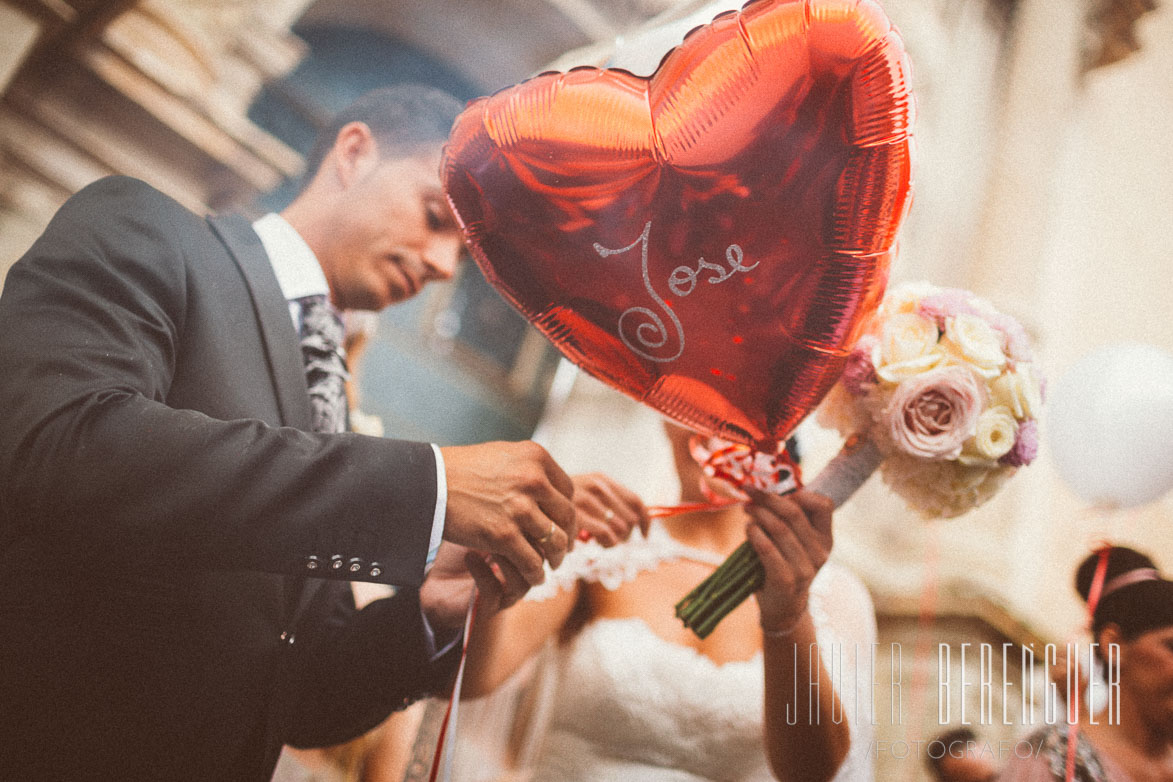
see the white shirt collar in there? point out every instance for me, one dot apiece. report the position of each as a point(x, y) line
point(298, 271)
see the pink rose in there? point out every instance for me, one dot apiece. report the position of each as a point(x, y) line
point(1017, 340)
point(859, 374)
point(930, 415)
point(1026, 445)
point(947, 303)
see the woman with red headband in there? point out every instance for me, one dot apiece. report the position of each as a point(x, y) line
point(1134, 741)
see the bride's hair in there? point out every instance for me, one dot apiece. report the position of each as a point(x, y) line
point(1137, 603)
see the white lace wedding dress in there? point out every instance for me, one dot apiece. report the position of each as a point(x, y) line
point(621, 704)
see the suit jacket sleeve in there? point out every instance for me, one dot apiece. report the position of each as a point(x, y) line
point(365, 665)
point(92, 458)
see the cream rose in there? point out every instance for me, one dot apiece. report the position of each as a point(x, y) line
point(995, 436)
point(907, 347)
point(970, 340)
point(905, 298)
point(932, 414)
point(1018, 390)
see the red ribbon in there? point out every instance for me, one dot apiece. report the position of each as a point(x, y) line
point(664, 511)
point(1096, 590)
point(926, 617)
point(736, 466)
point(437, 757)
point(1093, 599)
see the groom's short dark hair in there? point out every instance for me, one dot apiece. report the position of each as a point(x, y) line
point(402, 118)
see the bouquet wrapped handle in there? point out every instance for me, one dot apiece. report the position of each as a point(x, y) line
point(856, 461)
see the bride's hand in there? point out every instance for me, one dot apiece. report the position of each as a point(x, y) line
point(606, 510)
point(792, 537)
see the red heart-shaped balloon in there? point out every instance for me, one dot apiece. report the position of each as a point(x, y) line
point(710, 239)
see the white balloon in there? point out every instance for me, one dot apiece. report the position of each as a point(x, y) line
point(1109, 425)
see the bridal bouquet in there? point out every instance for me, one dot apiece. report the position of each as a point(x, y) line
point(941, 394)
point(944, 388)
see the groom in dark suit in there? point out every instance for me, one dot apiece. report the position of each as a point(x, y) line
point(180, 511)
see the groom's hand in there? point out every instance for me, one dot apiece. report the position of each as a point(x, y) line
point(510, 500)
point(448, 588)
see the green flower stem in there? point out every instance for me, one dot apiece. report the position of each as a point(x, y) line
point(738, 577)
point(706, 625)
point(717, 585)
point(750, 584)
point(718, 594)
point(707, 589)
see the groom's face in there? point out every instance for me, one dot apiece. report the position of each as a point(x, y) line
point(397, 232)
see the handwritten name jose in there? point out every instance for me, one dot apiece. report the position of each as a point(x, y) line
point(641, 329)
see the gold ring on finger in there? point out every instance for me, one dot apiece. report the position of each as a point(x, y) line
point(546, 538)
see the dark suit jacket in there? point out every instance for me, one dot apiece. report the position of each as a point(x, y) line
point(161, 502)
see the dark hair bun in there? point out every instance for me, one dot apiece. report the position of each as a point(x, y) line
point(1134, 608)
point(1121, 559)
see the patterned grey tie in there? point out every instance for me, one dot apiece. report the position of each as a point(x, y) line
point(325, 363)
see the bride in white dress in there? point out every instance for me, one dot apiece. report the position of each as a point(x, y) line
point(631, 695)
